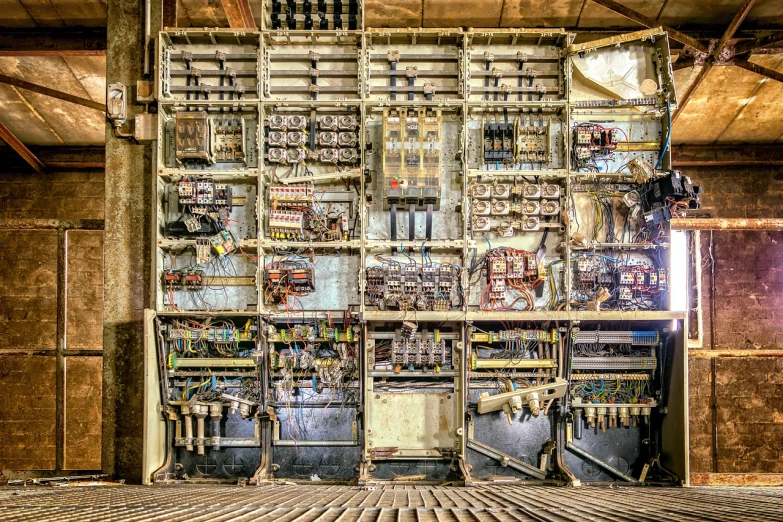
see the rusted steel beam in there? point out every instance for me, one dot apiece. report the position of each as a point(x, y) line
point(736, 479)
point(758, 44)
point(759, 69)
point(169, 14)
point(742, 12)
point(53, 42)
point(239, 14)
point(686, 97)
point(650, 23)
point(20, 148)
point(727, 224)
point(726, 155)
point(62, 158)
point(51, 224)
point(719, 354)
point(46, 91)
point(684, 62)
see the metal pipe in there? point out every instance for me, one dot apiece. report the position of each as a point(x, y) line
point(147, 25)
point(727, 224)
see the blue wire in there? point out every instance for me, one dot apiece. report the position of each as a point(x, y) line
point(489, 245)
point(406, 255)
point(668, 135)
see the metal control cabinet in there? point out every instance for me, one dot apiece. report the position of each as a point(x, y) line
point(413, 254)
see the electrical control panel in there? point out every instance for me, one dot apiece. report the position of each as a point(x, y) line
point(195, 139)
point(421, 255)
point(619, 386)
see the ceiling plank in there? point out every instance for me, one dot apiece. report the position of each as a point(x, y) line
point(53, 42)
point(758, 69)
point(31, 159)
point(743, 11)
point(238, 14)
point(650, 23)
point(46, 91)
point(686, 97)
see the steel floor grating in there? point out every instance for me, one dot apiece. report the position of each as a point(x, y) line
point(305, 503)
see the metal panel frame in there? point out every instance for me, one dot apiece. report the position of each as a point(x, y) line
point(456, 240)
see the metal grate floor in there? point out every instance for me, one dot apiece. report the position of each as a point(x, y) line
point(305, 503)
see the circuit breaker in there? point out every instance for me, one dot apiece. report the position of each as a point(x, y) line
point(421, 255)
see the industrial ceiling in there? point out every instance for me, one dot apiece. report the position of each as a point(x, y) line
point(731, 105)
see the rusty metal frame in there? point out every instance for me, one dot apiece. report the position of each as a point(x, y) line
point(61, 158)
point(732, 28)
point(727, 224)
point(759, 44)
point(723, 54)
point(239, 14)
point(758, 69)
point(53, 42)
point(650, 23)
point(20, 148)
point(726, 155)
point(54, 93)
point(169, 13)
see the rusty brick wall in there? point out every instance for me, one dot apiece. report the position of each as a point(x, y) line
point(51, 292)
point(61, 195)
point(736, 422)
point(84, 288)
point(28, 289)
point(27, 412)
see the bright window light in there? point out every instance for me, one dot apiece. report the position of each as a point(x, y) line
point(678, 277)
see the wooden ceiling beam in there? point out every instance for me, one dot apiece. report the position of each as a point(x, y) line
point(650, 23)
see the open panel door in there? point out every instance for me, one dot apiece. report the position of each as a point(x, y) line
point(154, 452)
point(623, 69)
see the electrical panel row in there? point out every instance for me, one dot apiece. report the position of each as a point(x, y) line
point(359, 227)
point(252, 400)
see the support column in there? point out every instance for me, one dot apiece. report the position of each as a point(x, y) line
point(126, 254)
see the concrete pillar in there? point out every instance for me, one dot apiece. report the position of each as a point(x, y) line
point(126, 254)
